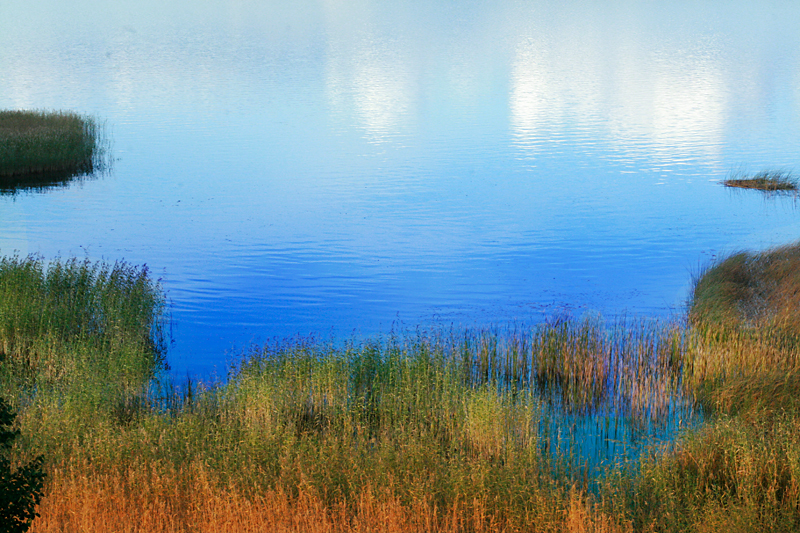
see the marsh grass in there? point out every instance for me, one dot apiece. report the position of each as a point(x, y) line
point(68, 324)
point(731, 475)
point(769, 181)
point(432, 431)
point(741, 470)
point(421, 431)
point(48, 147)
point(451, 430)
point(752, 292)
point(193, 499)
point(400, 434)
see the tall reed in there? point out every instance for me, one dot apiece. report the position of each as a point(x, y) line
point(741, 470)
point(68, 326)
point(425, 431)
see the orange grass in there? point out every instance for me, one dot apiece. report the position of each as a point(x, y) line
point(155, 498)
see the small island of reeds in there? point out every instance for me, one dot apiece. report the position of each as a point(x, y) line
point(769, 181)
point(445, 431)
point(33, 143)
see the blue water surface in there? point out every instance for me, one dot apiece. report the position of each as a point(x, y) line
point(336, 167)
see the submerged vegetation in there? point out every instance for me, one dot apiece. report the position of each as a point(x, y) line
point(446, 430)
point(774, 181)
point(47, 147)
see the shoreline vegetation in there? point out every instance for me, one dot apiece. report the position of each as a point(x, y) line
point(768, 181)
point(40, 148)
point(443, 430)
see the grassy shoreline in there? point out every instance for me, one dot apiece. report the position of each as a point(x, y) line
point(436, 431)
point(48, 145)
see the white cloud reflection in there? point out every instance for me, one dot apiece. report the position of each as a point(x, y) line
point(381, 70)
point(367, 77)
point(374, 83)
point(689, 108)
point(671, 105)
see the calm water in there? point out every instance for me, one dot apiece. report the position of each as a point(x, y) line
point(336, 167)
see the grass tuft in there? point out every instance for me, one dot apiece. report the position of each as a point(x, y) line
point(73, 322)
point(770, 181)
point(752, 291)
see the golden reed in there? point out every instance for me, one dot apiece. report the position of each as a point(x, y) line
point(158, 498)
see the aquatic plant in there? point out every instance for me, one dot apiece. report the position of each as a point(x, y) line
point(77, 320)
point(770, 181)
point(740, 470)
point(434, 430)
point(442, 430)
point(54, 143)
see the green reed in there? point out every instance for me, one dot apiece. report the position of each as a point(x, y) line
point(74, 322)
point(38, 142)
point(454, 414)
point(452, 417)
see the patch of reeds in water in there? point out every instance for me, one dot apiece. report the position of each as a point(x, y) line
point(429, 432)
point(72, 321)
point(48, 147)
point(769, 181)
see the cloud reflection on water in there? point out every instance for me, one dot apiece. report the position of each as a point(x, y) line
point(298, 166)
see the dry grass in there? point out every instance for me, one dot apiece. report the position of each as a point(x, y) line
point(741, 470)
point(739, 473)
point(152, 498)
point(752, 291)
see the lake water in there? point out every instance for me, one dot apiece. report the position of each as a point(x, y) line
point(336, 167)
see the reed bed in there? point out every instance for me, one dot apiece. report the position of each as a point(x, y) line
point(769, 181)
point(75, 337)
point(451, 430)
point(421, 432)
point(741, 470)
point(47, 142)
